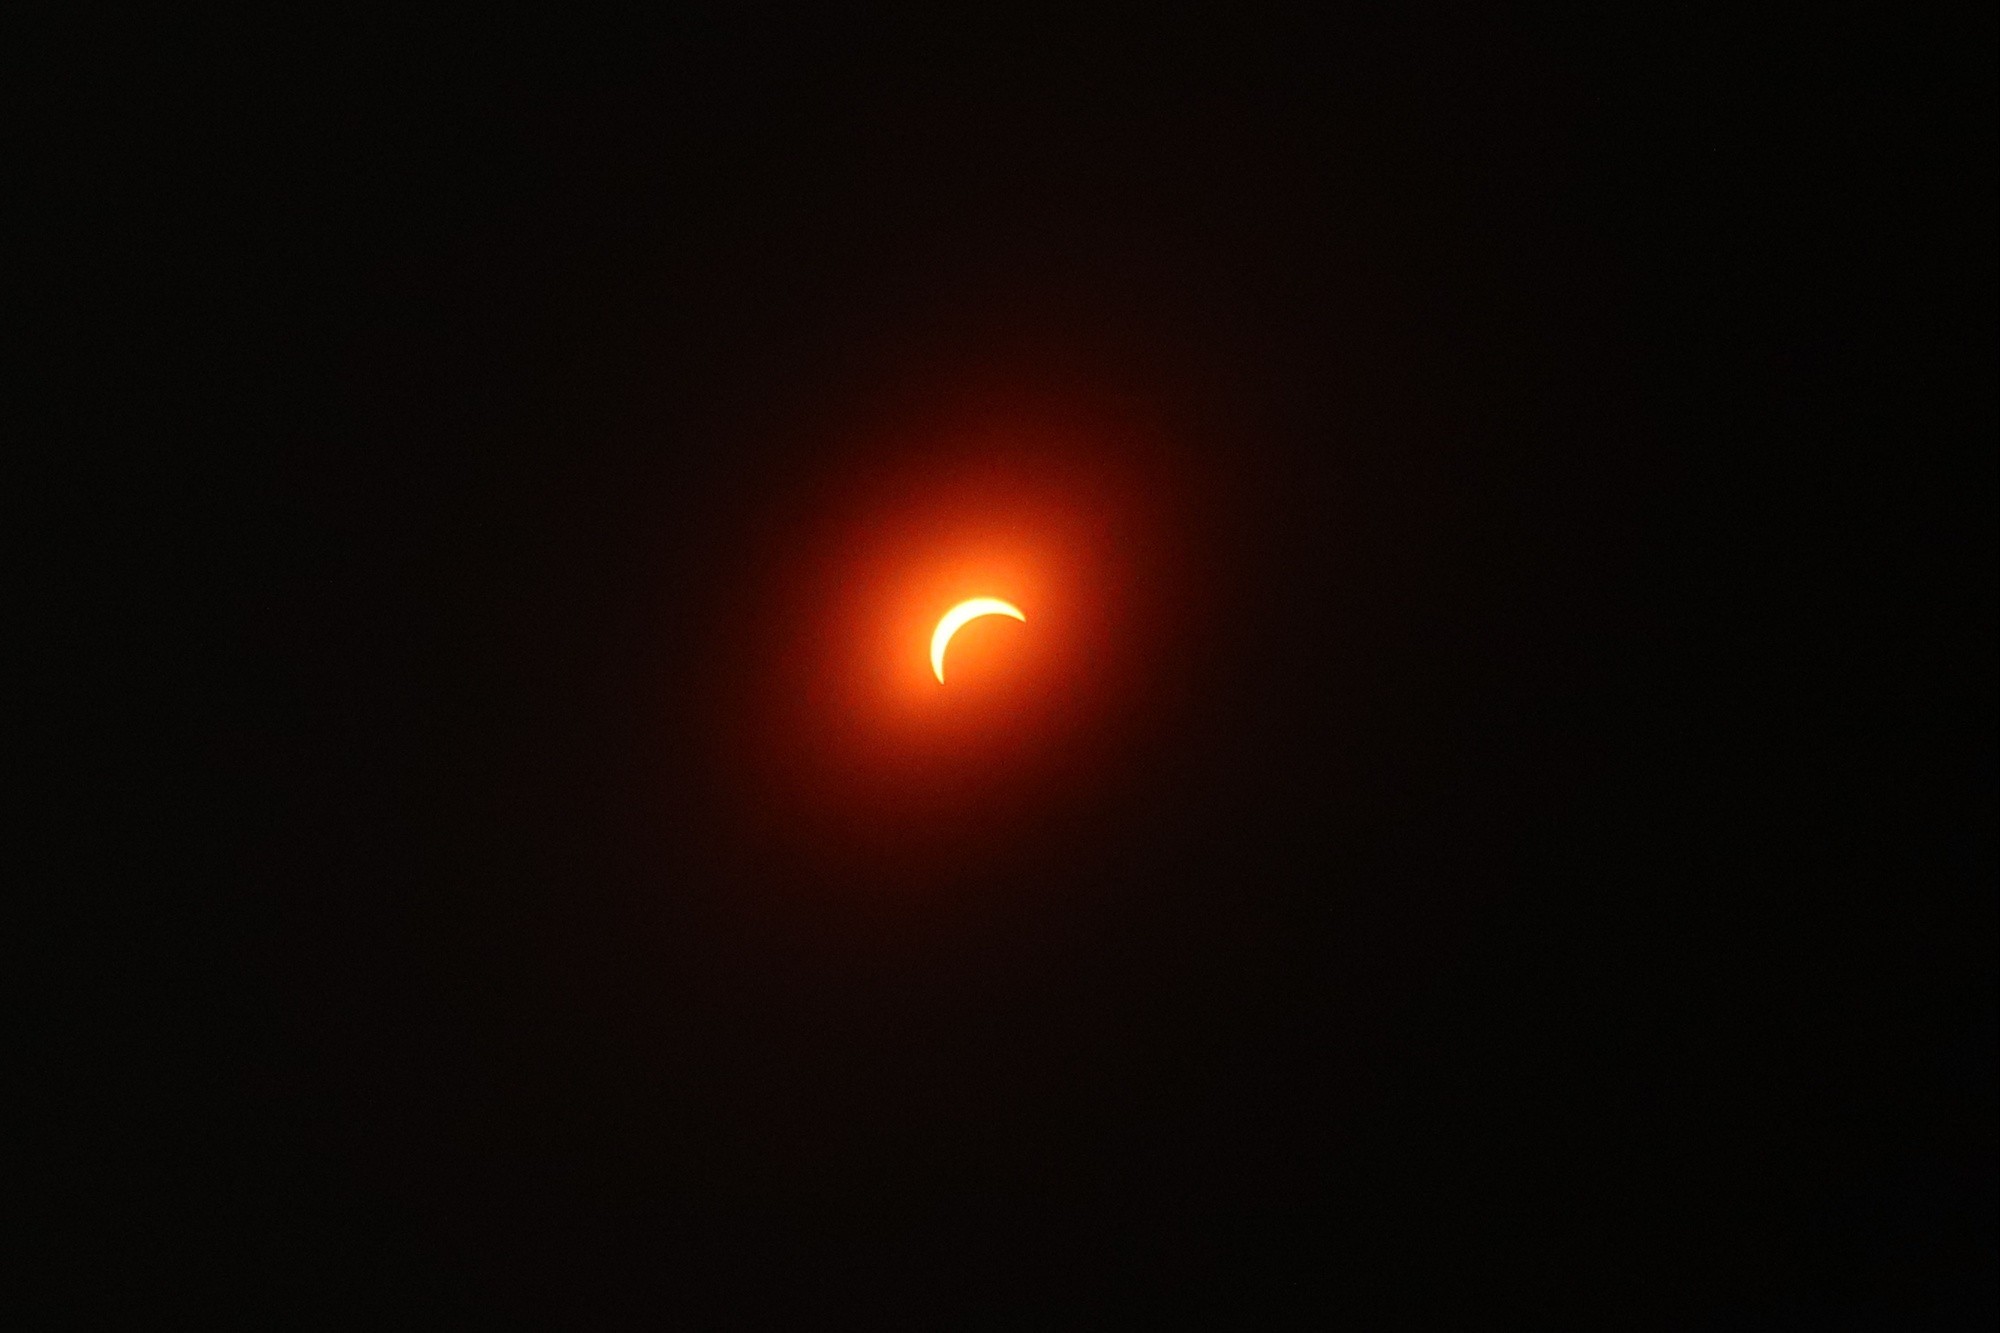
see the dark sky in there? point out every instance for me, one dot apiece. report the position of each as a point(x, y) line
point(1544, 882)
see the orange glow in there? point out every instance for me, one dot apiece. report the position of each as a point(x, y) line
point(957, 616)
point(837, 751)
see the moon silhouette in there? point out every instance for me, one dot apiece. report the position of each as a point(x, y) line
point(957, 616)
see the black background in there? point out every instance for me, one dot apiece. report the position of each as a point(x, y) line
point(1566, 901)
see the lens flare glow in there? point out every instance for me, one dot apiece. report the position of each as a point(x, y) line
point(957, 616)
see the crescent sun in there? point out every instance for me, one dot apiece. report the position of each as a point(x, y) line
point(957, 616)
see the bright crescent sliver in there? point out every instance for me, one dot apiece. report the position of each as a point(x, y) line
point(957, 616)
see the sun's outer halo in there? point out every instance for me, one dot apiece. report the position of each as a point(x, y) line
point(957, 616)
